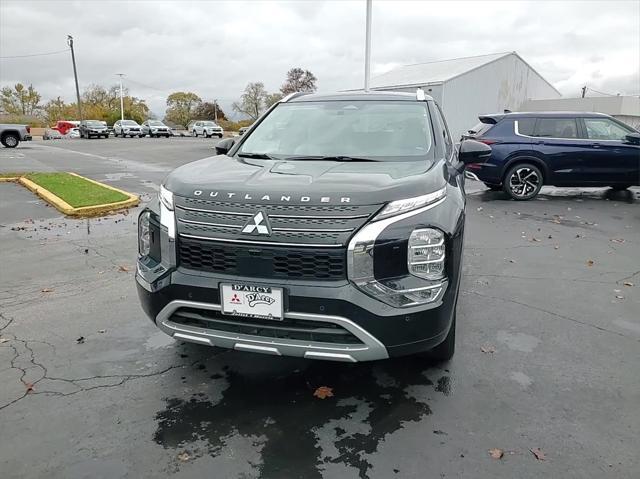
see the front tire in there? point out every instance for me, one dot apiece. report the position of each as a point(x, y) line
point(10, 140)
point(195, 133)
point(523, 181)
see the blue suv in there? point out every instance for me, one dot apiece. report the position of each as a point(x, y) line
point(530, 150)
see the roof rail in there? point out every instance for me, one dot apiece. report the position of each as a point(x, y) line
point(293, 95)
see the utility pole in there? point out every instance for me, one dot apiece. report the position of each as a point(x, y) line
point(75, 74)
point(121, 97)
point(215, 110)
point(584, 91)
point(367, 48)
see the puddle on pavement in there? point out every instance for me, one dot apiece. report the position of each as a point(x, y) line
point(370, 401)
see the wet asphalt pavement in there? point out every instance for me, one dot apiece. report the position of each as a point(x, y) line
point(548, 351)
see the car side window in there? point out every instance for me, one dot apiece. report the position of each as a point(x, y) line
point(444, 132)
point(556, 128)
point(604, 129)
point(526, 126)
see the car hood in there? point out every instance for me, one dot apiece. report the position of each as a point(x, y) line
point(305, 181)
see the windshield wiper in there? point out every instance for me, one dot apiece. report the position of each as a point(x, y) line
point(329, 158)
point(257, 156)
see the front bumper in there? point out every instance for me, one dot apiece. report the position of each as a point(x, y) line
point(381, 330)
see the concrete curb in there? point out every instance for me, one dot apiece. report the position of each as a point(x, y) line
point(83, 211)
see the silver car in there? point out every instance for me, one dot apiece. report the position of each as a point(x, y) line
point(126, 128)
point(155, 128)
point(206, 128)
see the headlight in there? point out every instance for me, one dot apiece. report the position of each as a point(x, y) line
point(425, 253)
point(425, 280)
point(402, 206)
point(144, 234)
point(166, 197)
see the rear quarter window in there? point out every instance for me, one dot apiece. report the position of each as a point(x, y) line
point(526, 126)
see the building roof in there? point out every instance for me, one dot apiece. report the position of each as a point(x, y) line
point(611, 105)
point(433, 72)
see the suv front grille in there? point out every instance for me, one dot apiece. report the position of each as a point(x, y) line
point(262, 262)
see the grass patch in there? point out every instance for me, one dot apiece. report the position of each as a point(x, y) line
point(11, 175)
point(78, 192)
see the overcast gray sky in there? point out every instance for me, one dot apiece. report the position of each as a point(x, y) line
point(214, 48)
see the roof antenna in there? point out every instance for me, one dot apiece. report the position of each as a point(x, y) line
point(506, 111)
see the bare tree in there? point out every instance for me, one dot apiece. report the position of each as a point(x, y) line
point(252, 101)
point(299, 80)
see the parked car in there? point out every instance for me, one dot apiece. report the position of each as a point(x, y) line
point(345, 246)
point(243, 130)
point(73, 133)
point(51, 134)
point(206, 128)
point(90, 128)
point(126, 128)
point(11, 135)
point(530, 150)
point(155, 128)
point(65, 126)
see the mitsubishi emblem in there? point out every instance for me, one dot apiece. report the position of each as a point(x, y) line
point(257, 224)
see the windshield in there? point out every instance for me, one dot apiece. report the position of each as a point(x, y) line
point(94, 123)
point(129, 123)
point(156, 123)
point(374, 129)
point(208, 123)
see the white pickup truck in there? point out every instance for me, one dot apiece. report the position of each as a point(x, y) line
point(11, 135)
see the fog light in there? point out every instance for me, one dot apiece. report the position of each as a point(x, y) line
point(144, 234)
point(426, 253)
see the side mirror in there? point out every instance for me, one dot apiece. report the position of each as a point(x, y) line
point(472, 151)
point(633, 138)
point(223, 146)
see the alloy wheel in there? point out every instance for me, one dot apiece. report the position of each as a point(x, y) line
point(524, 182)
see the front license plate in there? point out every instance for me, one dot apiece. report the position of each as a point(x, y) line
point(251, 301)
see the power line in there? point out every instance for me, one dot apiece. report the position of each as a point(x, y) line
point(35, 54)
point(601, 92)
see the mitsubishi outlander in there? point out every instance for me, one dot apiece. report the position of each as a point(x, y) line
point(332, 230)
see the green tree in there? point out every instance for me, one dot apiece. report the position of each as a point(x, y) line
point(299, 80)
point(272, 98)
point(57, 109)
point(252, 101)
point(20, 100)
point(207, 111)
point(181, 106)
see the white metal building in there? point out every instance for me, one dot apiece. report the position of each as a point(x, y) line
point(467, 87)
point(624, 108)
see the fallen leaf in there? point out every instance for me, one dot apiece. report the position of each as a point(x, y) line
point(536, 451)
point(556, 247)
point(80, 340)
point(46, 290)
point(29, 387)
point(628, 283)
point(535, 239)
point(488, 349)
point(590, 262)
point(617, 240)
point(496, 453)
point(479, 208)
point(512, 261)
point(4, 340)
point(102, 330)
point(323, 392)
point(619, 297)
point(184, 456)
point(123, 269)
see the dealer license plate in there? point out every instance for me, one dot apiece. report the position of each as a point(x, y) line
point(250, 301)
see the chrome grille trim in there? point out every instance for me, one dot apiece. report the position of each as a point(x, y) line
point(292, 217)
point(217, 212)
point(257, 242)
point(204, 223)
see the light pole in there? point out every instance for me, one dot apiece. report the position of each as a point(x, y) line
point(367, 48)
point(121, 97)
point(75, 74)
point(215, 111)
